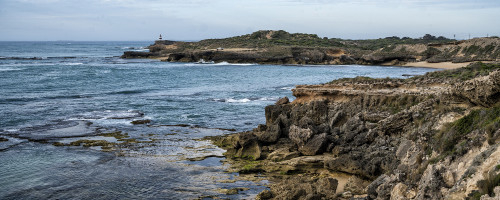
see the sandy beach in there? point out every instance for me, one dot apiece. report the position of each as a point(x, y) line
point(442, 65)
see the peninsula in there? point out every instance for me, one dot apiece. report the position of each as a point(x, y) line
point(281, 47)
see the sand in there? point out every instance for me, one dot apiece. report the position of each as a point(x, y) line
point(442, 65)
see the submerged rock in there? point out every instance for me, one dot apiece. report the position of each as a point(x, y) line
point(144, 121)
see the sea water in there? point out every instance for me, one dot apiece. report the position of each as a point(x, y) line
point(66, 91)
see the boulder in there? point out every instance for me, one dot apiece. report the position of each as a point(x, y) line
point(282, 154)
point(316, 145)
point(299, 135)
point(271, 135)
point(356, 185)
point(282, 101)
point(431, 182)
point(299, 187)
point(264, 195)
point(247, 146)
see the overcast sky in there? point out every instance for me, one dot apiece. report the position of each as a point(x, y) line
point(196, 19)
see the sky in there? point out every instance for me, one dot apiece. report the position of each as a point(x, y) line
point(144, 20)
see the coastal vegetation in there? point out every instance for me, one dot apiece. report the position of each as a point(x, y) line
point(269, 38)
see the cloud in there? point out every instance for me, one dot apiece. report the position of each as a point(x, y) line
point(195, 19)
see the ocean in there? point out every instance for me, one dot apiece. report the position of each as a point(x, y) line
point(66, 91)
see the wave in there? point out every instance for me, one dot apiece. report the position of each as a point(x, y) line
point(235, 64)
point(127, 92)
point(141, 50)
point(64, 57)
point(26, 64)
point(109, 115)
point(238, 100)
point(287, 88)
point(73, 64)
point(134, 48)
point(224, 63)
point(245, 100)
point(28, 99)
point(22, 58)
point(40, 58)
point(10, 69)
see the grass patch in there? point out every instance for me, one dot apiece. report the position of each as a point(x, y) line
point(465, 73)
point(362, 79)
point(452, 138)
point(486, 186)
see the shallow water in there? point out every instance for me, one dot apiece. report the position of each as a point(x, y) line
point(66, 91)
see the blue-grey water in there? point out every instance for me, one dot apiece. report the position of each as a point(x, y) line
point(66, 91)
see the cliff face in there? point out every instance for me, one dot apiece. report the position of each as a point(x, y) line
point(428, 137)
point(280, 47)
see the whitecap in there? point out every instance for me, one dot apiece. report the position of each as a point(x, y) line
point(235, 64)
point(10, 69)
point(111, 115)
point(73, 64)
point(286, 88)
point(245, 100)
point(141, 50)
point(27, 64)
point(268, 99)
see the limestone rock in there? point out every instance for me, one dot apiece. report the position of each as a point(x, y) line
point(356, 185)
point(299, 135)
point(430, 184)
point(264, 195)
point(314, 146)
point(282, 154)
point(271, 135)
point(484, 91)
point(305, 188)
point(282, 101)
point(248, 146)
point(372, 189)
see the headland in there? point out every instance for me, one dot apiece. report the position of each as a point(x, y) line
point(281, 47)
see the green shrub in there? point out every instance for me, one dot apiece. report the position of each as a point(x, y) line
point(455, 133)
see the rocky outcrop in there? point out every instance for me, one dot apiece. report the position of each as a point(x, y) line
point(139, 54)
point(420, 138)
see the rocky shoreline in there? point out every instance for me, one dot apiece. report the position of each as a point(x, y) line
point(434, 136)
point(280, 47)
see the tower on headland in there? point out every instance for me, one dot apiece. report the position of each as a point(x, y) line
point(164, 42)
